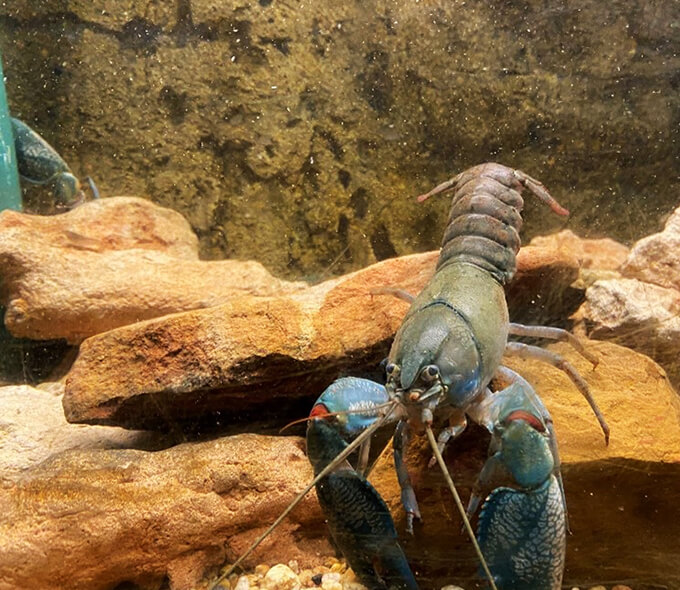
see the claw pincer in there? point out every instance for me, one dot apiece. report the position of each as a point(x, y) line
point(360, 522)
point(40, 164)
point(522, 524)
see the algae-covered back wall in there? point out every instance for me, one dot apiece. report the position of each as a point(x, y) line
point(297, 133)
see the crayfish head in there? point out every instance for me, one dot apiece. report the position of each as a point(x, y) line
point(419, 401)
point(434, 354)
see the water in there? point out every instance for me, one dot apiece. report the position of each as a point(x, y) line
point(298, 134)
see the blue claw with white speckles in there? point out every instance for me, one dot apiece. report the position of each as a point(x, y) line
point(522, 524)
point(360, 522)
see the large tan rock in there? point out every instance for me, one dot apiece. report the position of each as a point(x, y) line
point(250, 353)
point(219, 362)
point(33, 429)
point(111, 263)
point(90, 520)
point(641, 308)
point(116, 223)
point(616, 495)
point(656, 258)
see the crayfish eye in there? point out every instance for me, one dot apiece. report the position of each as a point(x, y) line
point(390, 368)
point(429, 373)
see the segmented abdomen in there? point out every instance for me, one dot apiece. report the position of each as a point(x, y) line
point(484, 222)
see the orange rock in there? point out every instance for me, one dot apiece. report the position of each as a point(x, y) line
point(90, 520)
point(111, 263)
point(116, 223)
point(633, 393)
point(603, 253)
point(229, 358)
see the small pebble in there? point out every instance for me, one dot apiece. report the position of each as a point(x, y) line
point(597, 588)
point(261, 570)
point(306, 578)
point(452, 587)
point(317, 579)
point(350, 581)
point(331, 581)
point(242, 583)
point(338, 567)
point(281, 577)
point(621, 587)
point(293, 565)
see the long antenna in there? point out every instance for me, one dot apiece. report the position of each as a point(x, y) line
point(325, 471)
point(456, 497)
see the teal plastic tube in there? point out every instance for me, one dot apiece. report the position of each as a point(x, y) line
point(10, 191)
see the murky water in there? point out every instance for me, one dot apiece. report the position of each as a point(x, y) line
point(297, 135)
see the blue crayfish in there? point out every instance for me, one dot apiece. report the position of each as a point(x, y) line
point(439, 371)
point(40, 165)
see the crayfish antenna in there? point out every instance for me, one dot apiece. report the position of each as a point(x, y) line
point(395, 292)
point(323, 473)
point(93, 187)
point(459, 504)
point(294, 422)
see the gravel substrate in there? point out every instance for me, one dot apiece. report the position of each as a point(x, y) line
point(333, 575)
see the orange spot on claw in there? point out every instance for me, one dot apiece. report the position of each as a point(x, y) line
point(318, 411)
point(530, 419)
